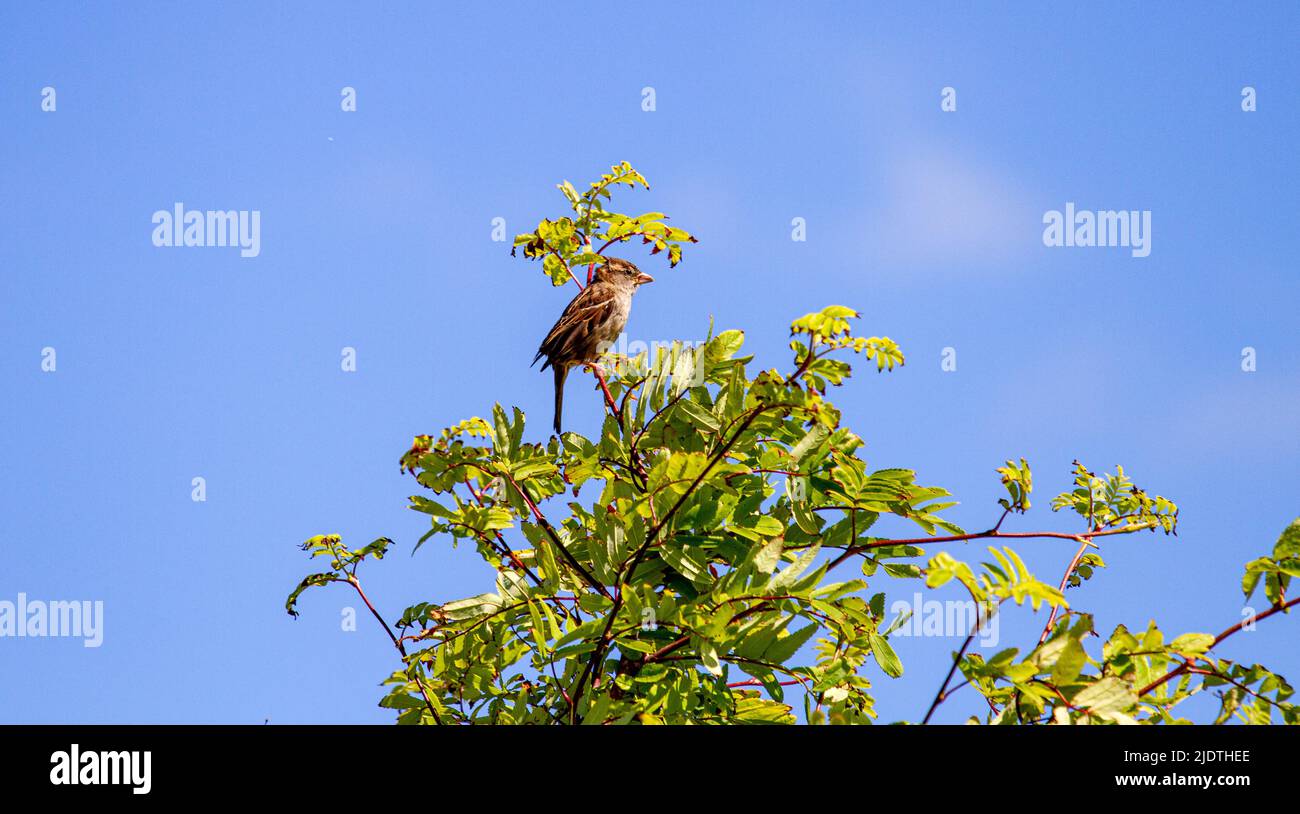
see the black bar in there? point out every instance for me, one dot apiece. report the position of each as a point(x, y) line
point(376, 763)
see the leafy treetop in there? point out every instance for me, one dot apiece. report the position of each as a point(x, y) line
point(708, 556)
point(566, 243)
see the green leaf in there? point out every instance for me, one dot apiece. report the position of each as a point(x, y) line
point(884, 655)
point(786, 577)
point(1192, 644)
point(699, 415)
point(781, 650)
point(762, 711)
point(724, 346)
point(1069, 663)
point(1108, 699)
point(1288, 544)
point(709, 658)
point(767, 558)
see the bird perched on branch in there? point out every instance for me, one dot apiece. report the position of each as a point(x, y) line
point(590, 323)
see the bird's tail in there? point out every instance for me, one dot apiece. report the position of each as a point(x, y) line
point(561, 371)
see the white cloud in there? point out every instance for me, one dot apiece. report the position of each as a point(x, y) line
point(947, 213)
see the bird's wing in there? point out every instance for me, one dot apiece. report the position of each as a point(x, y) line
point(593, 306)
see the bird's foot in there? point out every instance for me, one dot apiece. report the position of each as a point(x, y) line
point(599, 373)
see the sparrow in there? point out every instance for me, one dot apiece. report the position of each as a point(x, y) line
point(590, 323)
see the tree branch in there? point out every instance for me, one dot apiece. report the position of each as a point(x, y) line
point(555, 538)
point(1187, 665)
point(1074, 563)
point(401, 648)
point(598, 655)
point(991, 534)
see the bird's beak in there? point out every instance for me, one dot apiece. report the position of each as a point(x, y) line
point(642, 278)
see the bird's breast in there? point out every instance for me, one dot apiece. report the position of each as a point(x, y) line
point(608, 329)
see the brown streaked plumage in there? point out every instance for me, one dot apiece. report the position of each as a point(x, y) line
point(590, 323)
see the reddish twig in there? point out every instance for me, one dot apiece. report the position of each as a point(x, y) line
point(604, 388)
point(555, 538)
point(1074, 563)
point(1187, 665)
point(942, 694)
point(990, 534)
point(401, 648)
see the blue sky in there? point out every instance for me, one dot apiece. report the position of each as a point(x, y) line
point(175, 363)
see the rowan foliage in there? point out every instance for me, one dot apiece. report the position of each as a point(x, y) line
point(708, 555)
